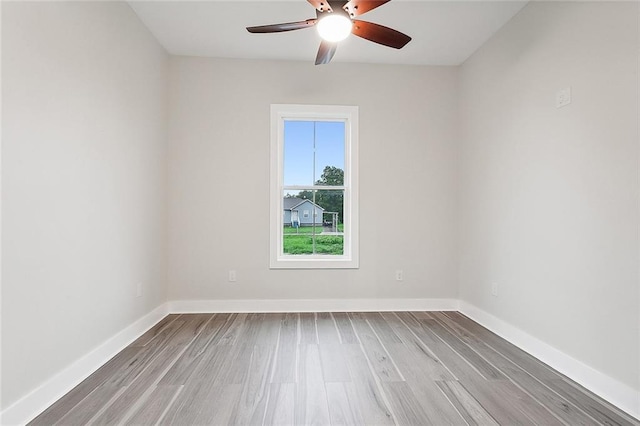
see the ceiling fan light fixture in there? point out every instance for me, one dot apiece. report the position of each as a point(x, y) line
point(334, 27)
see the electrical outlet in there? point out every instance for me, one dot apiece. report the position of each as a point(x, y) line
point(399, 275)
point(139, 290)
point(232, 276)
point(563, 97)
point(494, 289)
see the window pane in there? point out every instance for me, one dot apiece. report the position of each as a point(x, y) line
point(329, 143)
point(313, 153)
point(298, 152)
point(310, 228)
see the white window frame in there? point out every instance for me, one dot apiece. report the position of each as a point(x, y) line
point(349, 114)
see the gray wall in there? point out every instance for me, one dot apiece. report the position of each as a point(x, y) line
point(219, 154)
point(83, 182)
point(549, 197)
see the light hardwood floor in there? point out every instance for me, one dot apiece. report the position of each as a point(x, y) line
point(419, 368)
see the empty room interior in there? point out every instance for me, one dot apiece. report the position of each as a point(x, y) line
point(461, 244)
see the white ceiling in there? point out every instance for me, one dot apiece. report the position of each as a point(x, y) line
point(443, 32)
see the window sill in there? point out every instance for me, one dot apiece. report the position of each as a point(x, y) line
point(313, 262)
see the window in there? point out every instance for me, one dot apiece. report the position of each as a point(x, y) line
point(314, 172)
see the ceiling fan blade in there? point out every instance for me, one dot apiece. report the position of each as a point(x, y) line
point(321, 5)
point(326, 52)
point(278, 28)
point(359, 7)
point(380, 34)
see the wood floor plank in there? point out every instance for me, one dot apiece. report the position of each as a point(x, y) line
point(380, 360)
point(186, 407)
point(154, 408)
point(269, 329)
point(420, 315)
point(342, 409)
point(357, 363)
point(501, 399)
point(371, 401)
point(527, 362)
point(281, 405)
point(311, 406)
point(249, 329)
point(423, 358)
point(138, 390)
point(285, 363)
point(364, 388)
point(347, 334)
point(335, 367)
point(231, 329)
point(405, 406)
point(92, 405)
point(417, 328)
point(65, 404)
point(309, 365)
point(252, 402)
point(381, 327)
point(399, 328)
point(245, 337)
point(238, 364)
point(418, 362)
point(487, 370)
point(155, 330)
point(193, 325)
point(557, 398)
point(531, 408)
point(218, 407)
point(196, 392)
point(289, 329)
point(470, 409)
point(593, 406)
point(195, 353)
point(438, 409)
point(455, 363)
point(284, 370)
point(308, 333)
point(212, 366)
point(126, 375)
point(559, 406)
point(327, 331)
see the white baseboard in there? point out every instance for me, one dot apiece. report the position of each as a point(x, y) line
point(310, 305)
point(617, 393)
point(53, 389)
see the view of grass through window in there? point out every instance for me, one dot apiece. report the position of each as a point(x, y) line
point(313, 198)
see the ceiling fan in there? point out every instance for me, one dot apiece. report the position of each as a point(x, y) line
point(335, 20)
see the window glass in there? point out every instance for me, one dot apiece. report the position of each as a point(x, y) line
point(314, 187)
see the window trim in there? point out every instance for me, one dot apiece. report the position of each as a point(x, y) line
point(348, 114)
